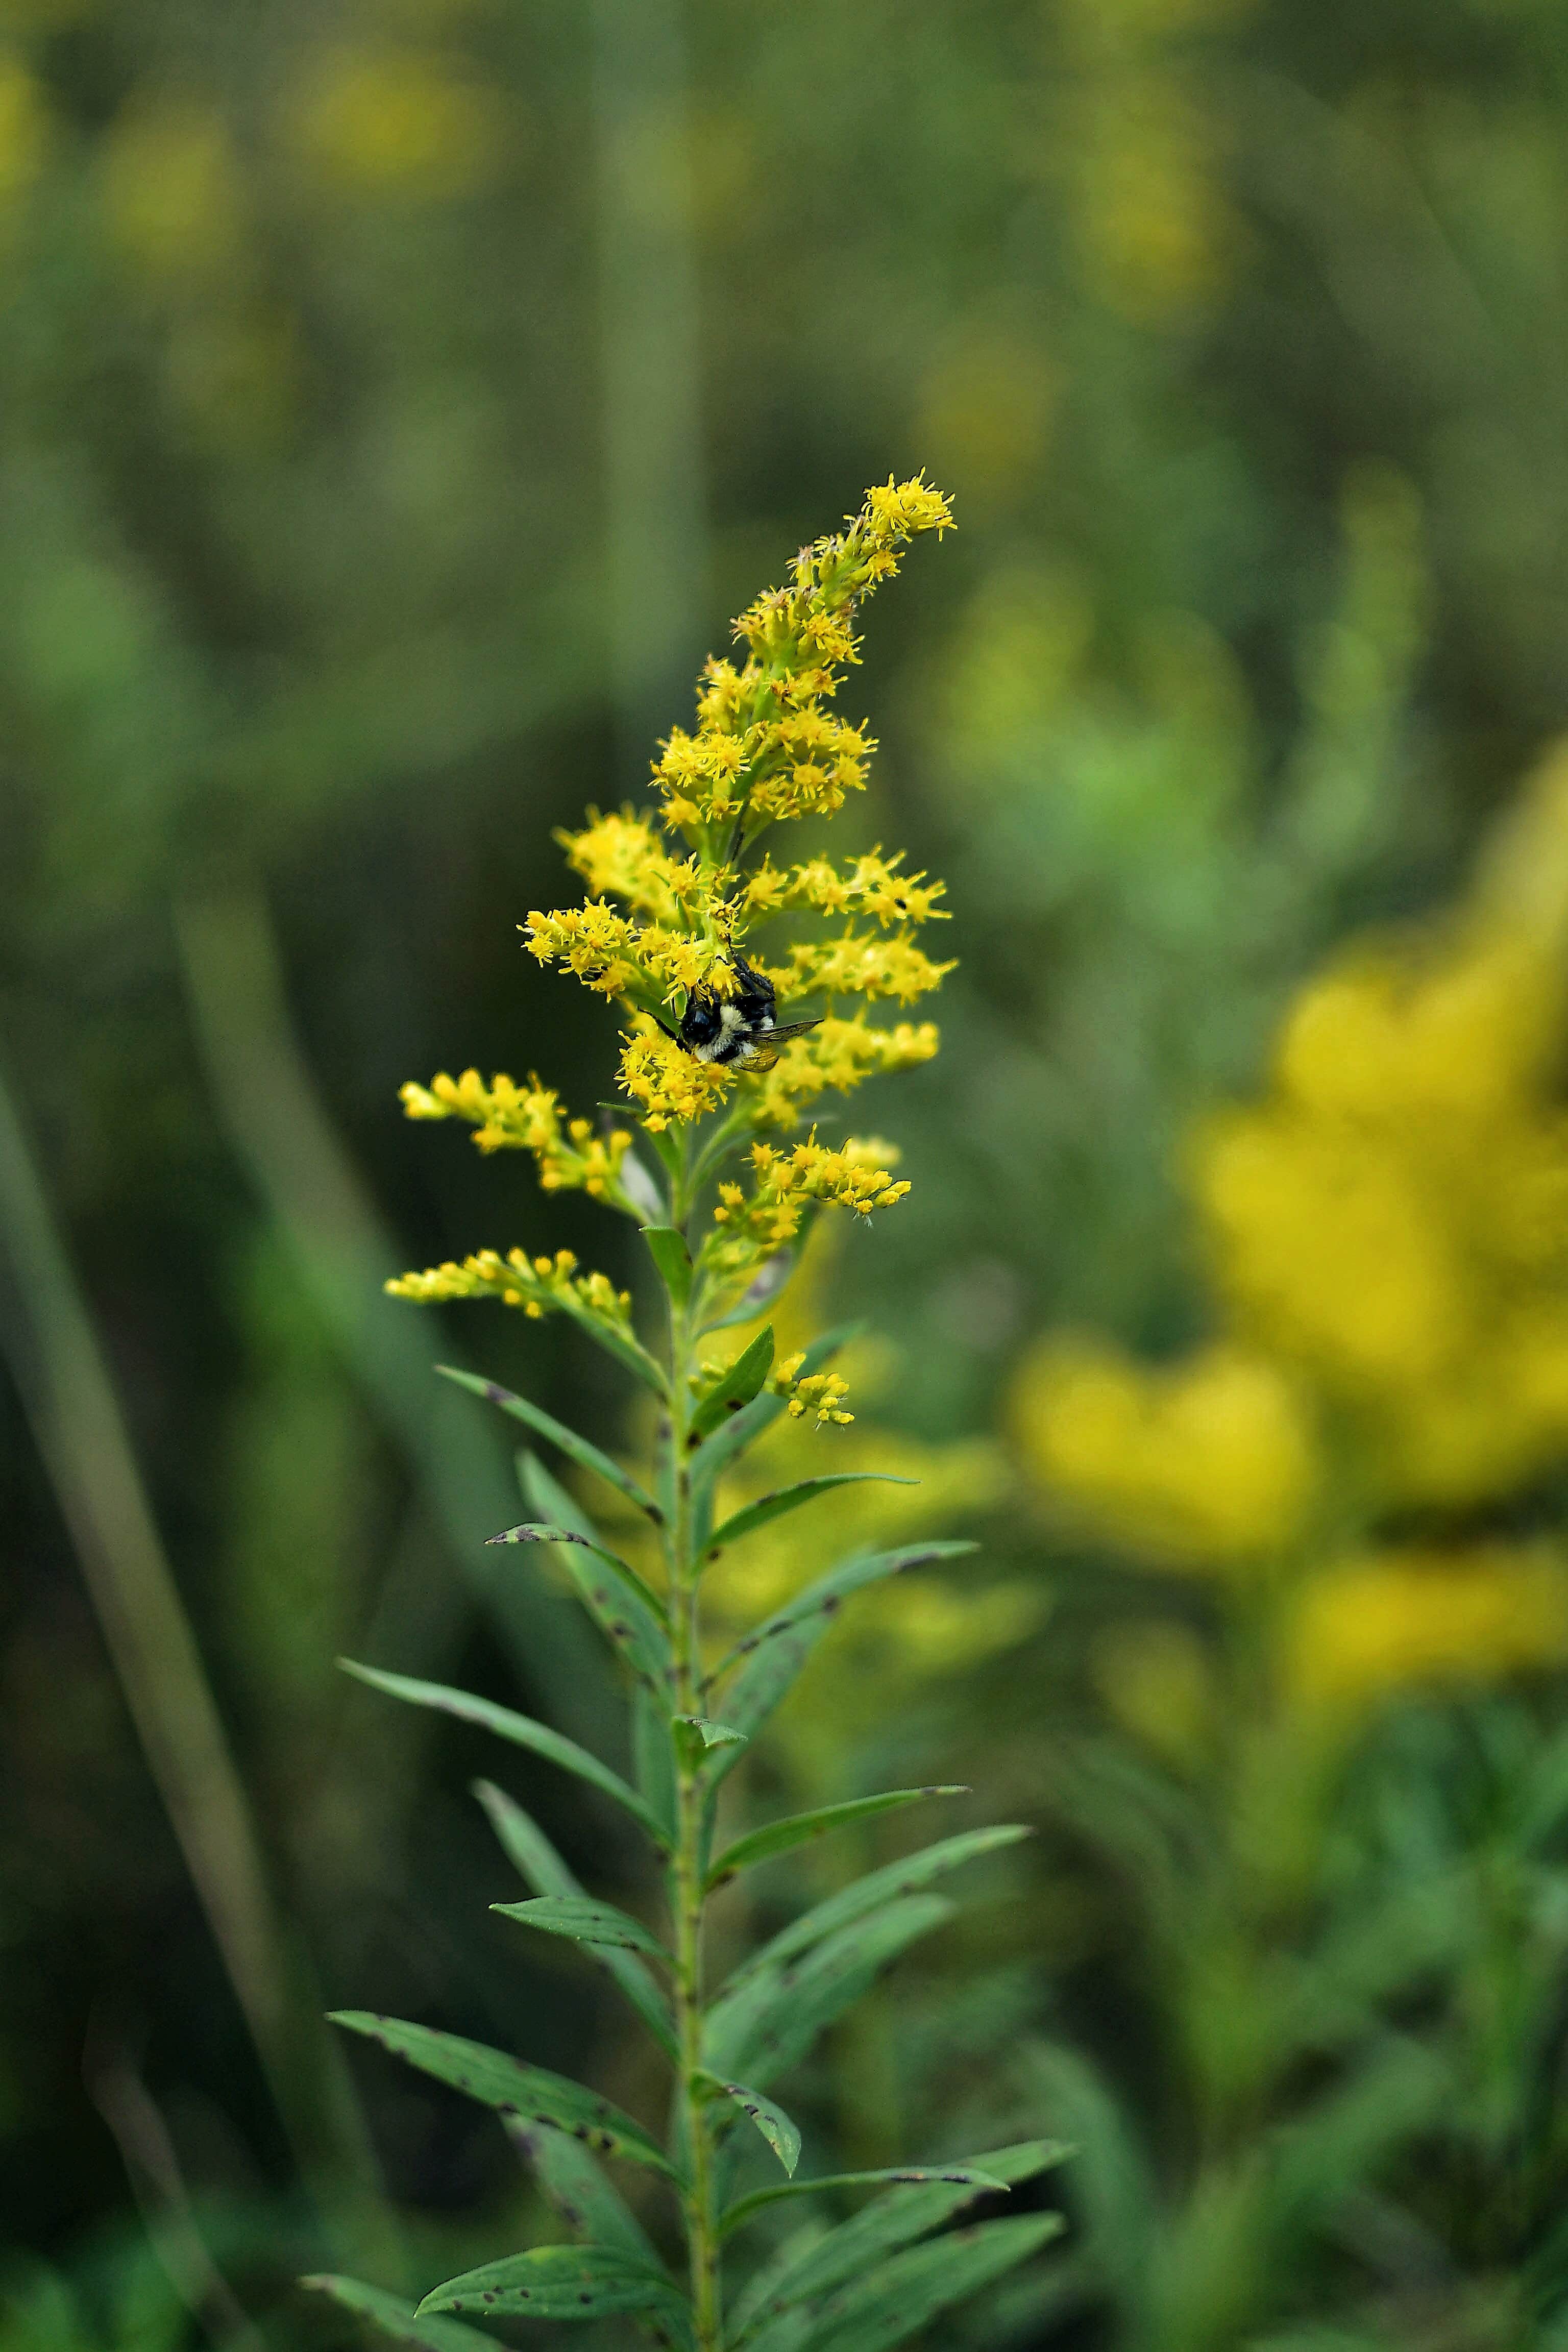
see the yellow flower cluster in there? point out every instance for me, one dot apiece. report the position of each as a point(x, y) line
point(873, 885)
point(663, 923)
point(538, 1285)
point(836, 1056)
point(527, 1118)
point(788, 1185)
point(1372, 1624)
point(670, 1085)
point(1389, 1231)
point(765, 749)
point(1213, 1461)
point(822, 1393)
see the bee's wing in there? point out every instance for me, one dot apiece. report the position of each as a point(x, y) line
point(764, 1050)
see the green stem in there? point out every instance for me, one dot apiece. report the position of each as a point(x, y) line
point(687, 1866)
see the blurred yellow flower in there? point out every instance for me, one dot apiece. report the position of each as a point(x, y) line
point(395, 121)
point(1401, 1617)
point(1212, 1463)
point(174, 197)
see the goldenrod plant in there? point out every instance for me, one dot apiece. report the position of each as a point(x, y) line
point(1347, 1504)
point(718, 1084)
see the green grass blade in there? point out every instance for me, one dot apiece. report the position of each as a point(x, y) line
point(505, 2083)
point(394, 2317)
point(627, 1613)
point(769, 2022)
point(558, 2282)
point(584, 1920)
point(521, 1730)
point(768, 1508)
point(544, 1424)
point(531, 1854)
point(797, 1829)
point(891, 2221)
point(736, 1386)
point(869, 1894)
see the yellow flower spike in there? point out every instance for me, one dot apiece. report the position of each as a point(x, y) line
point(527, 1118)
point(538, 1285)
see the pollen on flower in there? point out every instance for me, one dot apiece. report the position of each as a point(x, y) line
point(669, 1084)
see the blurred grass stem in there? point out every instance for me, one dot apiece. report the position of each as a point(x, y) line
point(70, 1398)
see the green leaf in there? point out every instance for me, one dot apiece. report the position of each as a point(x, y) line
point(782, 2136)
point(559, 2282)
point(626, 1610)
point(778, 1837)
point(399, 2319)
point(735, 1387)
point(511, 2088)
point(577, 2189)
point(695, 1735)
point(877, 1889)
point(885, 2308)
point(653, 1758)
point(553, 1501)
point(976, 2184)
point(521, 1730)
point(585, 1921)
point(536, 1860)
point(588, 1457)
point(880, 2228)
point(667, 1246)
point(768, 2024)
point(768, 1508)
point(768, 1660)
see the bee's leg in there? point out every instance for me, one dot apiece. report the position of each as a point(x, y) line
point(673, 1034)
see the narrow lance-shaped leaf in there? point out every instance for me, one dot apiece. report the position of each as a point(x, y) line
point(558, 2282)
point(617, 1599)
point(769, 2023)
point(872, 1892)
point(587, 1456)
point(399, 2320)
point(768, 1508)
point(521, 1730)
point(510, 2088)
point(974, 2183)
point(778, 1837)
point(577, 2189)
point(549, 1500)
point(532, 1856)
point(667, 1246)
point(879, 2229)
point(734, 1387)
point(885, 2307)
point(782, 2136)
point(760, 1291)
point(584, 1920)
point(765, 1662)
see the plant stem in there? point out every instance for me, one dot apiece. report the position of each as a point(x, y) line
point(687, 1866)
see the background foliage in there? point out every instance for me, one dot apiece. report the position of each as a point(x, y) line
point(396, 400)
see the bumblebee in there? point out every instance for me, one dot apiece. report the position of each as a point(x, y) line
point(738, 1030)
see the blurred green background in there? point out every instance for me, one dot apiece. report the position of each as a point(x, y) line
point(395, 402)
